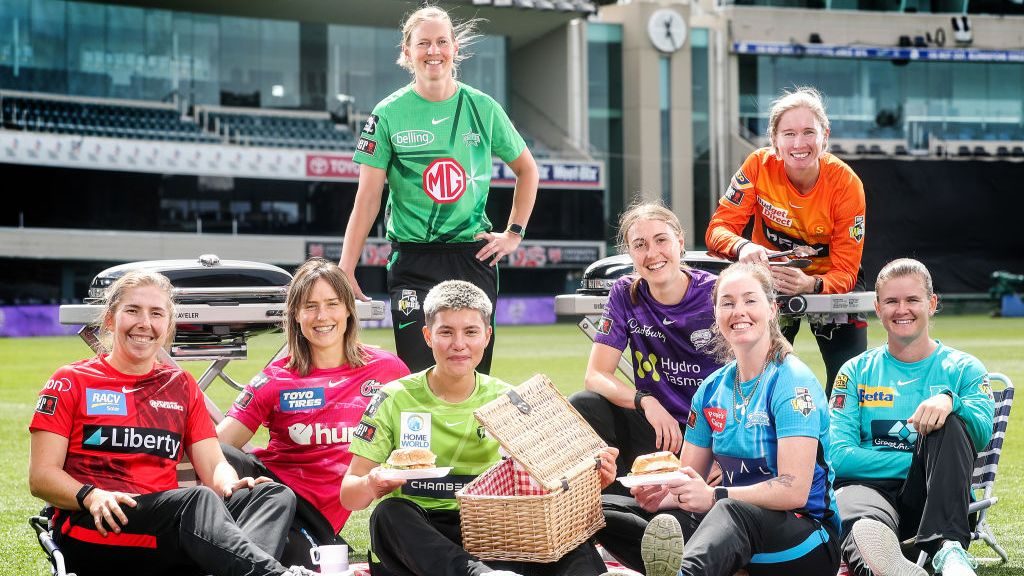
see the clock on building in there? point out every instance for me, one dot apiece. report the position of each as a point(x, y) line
point(667, 30)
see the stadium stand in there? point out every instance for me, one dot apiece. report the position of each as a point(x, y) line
point(111, 118)
point(276, 129)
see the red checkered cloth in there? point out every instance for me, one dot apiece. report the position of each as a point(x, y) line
point(507, 479)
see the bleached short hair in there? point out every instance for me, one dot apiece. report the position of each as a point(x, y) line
point(456, 295)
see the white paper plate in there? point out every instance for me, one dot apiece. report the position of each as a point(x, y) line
point(414, 474)
point(651, 479)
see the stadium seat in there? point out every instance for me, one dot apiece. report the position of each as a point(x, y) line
point(985, 467)
point(963, 151)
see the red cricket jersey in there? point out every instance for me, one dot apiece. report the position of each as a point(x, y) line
point(125, 432)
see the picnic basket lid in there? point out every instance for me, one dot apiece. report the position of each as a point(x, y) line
point(540, 429)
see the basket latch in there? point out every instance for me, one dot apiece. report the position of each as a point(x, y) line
point(565, 484)
point(517, 401)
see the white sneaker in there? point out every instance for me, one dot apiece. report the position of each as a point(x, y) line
point(952, 560)
point(880, 550)
point(662, 546)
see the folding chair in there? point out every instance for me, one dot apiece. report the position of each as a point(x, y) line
point(41, 525)
point(984, 477)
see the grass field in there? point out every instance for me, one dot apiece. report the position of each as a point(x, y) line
point(560, 351)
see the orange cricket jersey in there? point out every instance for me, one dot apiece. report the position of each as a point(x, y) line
point(830, 217)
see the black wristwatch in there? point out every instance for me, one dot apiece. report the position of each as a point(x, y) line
point(721, 492)
point(82, 493)
point(517, 230)
point(819, 285)
point(640, 394)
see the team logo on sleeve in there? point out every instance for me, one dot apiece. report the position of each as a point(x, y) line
point(604, 325)
point(839, 401)
point(46, 405)
point(370, 127)
point(243, 399)
point(374, 405)
point(986, 387)
point(444, 180)
point(691, 420)
point(365, 431)
point(366, 146)
point(301, 399)
point(105, 402)
point(842, 380)
point(716, 418)
point(802, 401)
point(857, 230)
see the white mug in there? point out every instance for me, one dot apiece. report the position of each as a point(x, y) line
point(331, 559)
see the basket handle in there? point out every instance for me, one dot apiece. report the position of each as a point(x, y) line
point(517, 401)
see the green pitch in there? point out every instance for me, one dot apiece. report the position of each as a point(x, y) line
point(560, 351)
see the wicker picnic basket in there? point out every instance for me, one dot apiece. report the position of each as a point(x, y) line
point(507, 516)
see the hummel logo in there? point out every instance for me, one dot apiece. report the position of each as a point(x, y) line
point(436, 121)
point(667, 322)
point(902, 383)
point(128, 390)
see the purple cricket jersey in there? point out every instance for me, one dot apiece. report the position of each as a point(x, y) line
point(668, 344)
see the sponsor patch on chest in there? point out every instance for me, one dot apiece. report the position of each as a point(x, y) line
point(301, 399)
point(415, 430)
point(105, 403)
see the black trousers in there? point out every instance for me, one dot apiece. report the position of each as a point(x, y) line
point(930, 505)
point(625, 522)
point(731, 536)
point(624, 428)
point(837, 343)
point(416, 268)
point(735, 534)
point(184, 531)
point(412, 541)
point(308, 529)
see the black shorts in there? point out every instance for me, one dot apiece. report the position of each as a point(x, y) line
point(413, 270)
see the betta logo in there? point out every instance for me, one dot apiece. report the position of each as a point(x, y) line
point(876, 396)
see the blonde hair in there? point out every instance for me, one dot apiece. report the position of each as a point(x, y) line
point(114, 294)
point(301, 361)
point(456, 295)
point(463, 34)
point(779, 347)
point(640, 211)
point(905, 267)
point(801, 97)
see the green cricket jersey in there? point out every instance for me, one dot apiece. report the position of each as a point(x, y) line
point(406, 414)
point(438, 161)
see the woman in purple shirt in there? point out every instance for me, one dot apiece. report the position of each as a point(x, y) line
point(664, 313)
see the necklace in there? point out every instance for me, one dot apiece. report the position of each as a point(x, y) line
point(740, 407)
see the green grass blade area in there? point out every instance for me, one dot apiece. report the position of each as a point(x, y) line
point(560, 351)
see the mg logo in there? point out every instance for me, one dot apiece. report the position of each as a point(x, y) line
point(444, 180)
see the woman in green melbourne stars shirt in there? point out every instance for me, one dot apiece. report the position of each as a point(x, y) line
point(433, 141)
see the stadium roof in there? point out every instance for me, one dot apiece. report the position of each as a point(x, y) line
point(521, 21)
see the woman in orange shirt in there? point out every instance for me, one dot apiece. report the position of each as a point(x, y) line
point(800, 195)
